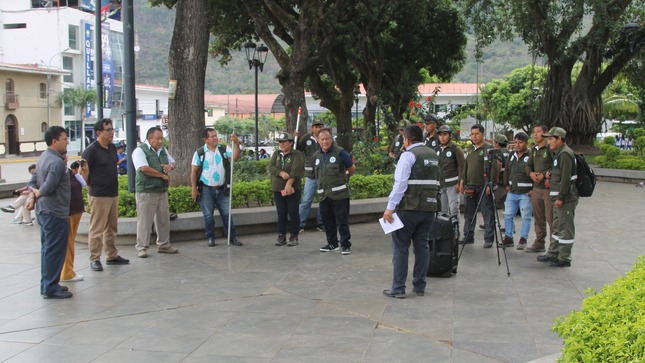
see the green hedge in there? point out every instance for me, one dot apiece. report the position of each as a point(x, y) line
point(248, 194)
point(610, 327)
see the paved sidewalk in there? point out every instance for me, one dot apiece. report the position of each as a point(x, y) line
point(261, 303)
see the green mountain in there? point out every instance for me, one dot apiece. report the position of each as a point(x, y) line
point(154, 26)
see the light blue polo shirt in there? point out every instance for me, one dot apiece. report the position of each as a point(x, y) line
point(213, 172)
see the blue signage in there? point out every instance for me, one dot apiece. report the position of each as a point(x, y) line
point(88, 63)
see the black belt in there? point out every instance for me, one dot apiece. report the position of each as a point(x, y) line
point(221, 187)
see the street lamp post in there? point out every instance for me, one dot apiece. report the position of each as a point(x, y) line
point(256, 55)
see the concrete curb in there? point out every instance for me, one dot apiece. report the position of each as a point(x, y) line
point(190, 226)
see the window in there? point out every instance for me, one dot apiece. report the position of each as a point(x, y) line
point(9, 89)
point(73, 36)
point(43, 90)
point(43, 129)
point(68, 65)
point(69, 110)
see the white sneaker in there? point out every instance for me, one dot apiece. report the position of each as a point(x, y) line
point(75, 278)
point(30, 223)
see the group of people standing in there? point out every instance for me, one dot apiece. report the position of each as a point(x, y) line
point(432, 173)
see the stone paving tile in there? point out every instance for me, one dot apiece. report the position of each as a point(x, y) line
point(261, 303)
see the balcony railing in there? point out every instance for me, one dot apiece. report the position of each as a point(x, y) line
point(11, 102)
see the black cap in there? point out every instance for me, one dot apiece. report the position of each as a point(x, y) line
point(444, 129)
point(430, 118)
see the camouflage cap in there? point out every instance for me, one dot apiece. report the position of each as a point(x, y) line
point(556, 132)
point(285, 136)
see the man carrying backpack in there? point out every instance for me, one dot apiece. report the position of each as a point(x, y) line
point(564, 198)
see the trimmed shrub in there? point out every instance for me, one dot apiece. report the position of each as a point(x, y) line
point(610, 327)
point(609, 140)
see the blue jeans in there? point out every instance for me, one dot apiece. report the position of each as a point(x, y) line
point(416, 229)
point(53, 248)
point(335, 215)
point(308, 193)
point(513, 203)
point(210, 198)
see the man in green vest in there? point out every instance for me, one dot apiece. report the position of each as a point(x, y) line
point(432, 139)
point(414, 197)
point(152, 164)
point(564, 196)
point(332, 167)
point(518, 185)
point(451, 168)
point(539, 164)
point(308, 145)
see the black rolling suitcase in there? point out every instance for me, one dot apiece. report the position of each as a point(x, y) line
point(443, 240)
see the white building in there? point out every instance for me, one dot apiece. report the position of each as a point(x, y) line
point(59, 35)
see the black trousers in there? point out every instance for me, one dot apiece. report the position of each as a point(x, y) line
point(335, 215)
point(287, 208)
point(486, 207)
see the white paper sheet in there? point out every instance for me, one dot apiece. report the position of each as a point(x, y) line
point(391, 227)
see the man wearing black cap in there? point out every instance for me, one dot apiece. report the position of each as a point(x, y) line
point(308, 145)
point(451, 169)
point(518, 185)
point(432, 139)
point(564, 196)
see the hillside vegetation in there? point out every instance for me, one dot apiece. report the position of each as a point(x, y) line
point(154, 27)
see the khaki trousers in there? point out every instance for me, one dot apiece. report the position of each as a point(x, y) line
point(68, 267)
point(152, 207)
point(542, 214)
point(104, 222)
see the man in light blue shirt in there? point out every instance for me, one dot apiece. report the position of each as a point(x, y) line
point(414, 196)
point(210, 177)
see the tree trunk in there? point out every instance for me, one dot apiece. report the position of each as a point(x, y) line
point(294, 95)
point(187, 65)
point(572, 108)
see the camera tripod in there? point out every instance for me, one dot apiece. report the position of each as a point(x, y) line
point(497, 229)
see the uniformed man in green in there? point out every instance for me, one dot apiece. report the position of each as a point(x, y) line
point(431, 139)
point(332, 167)
point(451, 168)
point(518, 185)
point(397, 143)
point(474, 184)
point(564, 196)
point(308, 145)
point(539, 164)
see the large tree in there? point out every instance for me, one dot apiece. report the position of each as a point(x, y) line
point(513, 100)
point(568, 32)
point(187, 60)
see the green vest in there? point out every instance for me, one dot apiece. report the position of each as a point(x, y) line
point(331, 175)
point(518, 180)
point(423, 184)
point(308, 145)
point(449, 169)
point(564, 167)
point(147, 184)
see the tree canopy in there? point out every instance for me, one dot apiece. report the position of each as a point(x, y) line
point(591, 33)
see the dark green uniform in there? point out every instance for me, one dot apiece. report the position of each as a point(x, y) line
point(291, 163)
point(331, 174)
point(308, 145)
point(433, 142)
point(475, 165)
point(423, 183)
point(563, 187)
point(515, 175)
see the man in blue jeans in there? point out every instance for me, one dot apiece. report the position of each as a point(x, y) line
point(210, 177)
point(308, 145)
point(414, 196)
point(52, 196)
point(518, 185)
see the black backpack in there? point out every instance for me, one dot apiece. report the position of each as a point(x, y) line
point(586, 178)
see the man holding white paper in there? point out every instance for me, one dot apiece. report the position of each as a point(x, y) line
point(414, 197)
